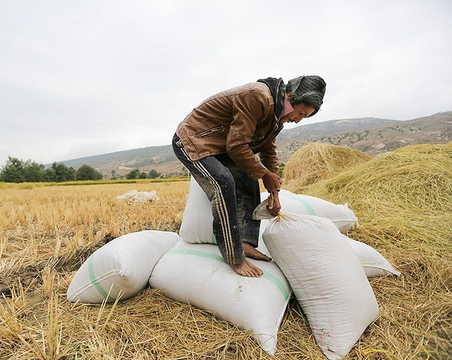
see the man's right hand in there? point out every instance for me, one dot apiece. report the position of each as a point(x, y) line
point(272, 182)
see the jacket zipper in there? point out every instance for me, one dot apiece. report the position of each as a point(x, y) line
point(211, 131)
point(269, 139)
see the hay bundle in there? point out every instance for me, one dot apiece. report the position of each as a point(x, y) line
point(403, 200)
point(409, 189)
point(318, 161)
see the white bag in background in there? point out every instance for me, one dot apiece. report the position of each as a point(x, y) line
point(197, 274)
point(374, 264)
point(326, 277)
point(123, 265)
point(135, 196)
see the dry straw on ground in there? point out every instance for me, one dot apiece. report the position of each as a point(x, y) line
point(403, 201)
point(317, 161)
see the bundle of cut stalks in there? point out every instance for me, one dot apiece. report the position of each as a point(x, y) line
point(403, 201)
point(318, 161)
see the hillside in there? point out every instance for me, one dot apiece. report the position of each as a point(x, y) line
point(333, 126)
point(159, 158)
point(370, 135)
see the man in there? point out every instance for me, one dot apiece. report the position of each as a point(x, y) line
point(218, 142)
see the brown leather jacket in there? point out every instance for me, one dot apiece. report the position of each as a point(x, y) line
point(239, 122)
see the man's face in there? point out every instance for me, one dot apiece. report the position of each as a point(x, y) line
point(300, 111)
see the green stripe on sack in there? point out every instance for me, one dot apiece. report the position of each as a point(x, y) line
point(266, 274)
point(306, 204)
point(278, 284)
point(95, 282)
point(196, 253)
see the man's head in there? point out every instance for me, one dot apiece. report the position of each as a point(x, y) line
point(308, 89)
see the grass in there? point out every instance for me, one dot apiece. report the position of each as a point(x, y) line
point(403, 202)
point(27, 185)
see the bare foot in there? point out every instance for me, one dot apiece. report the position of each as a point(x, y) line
point(248, 269)
point(253, 253)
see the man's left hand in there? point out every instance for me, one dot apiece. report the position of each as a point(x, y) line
point(274, 206)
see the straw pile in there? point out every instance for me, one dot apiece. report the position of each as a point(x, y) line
point(318, 161)
point(403, 200)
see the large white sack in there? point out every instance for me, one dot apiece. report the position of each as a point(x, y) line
point(341, 215)
point(121, 266)
point(373, 263)
point(197, 274)
point(327, 279)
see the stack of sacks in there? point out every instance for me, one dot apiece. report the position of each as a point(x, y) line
point(121, 268)
point(197, 274)
point(194, 272)
point(326, 277)
point(197, 221)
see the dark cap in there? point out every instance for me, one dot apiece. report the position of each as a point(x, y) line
point(308, 89)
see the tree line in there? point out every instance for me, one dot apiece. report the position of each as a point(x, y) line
point(17, 171)
point(137, 174)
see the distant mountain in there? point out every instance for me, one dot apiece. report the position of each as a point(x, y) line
point(158, 158)
point(370, 135)
point(331, 127)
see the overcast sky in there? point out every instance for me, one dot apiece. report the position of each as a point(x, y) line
point(88, 77)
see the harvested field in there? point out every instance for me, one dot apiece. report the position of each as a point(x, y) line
point(402, 200)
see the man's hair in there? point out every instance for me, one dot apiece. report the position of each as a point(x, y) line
point(308, 89)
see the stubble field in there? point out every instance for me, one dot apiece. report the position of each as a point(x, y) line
point(47, 232)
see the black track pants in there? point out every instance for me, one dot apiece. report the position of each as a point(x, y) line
point(233, 195)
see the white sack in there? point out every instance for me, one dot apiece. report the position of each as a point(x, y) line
point(327, 279)
point(373, 263)
point(122, 265)
point(197, 221)
point(341, 215)
point(197, 274)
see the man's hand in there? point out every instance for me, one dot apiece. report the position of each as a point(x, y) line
point(272, 183)
point(274, 206)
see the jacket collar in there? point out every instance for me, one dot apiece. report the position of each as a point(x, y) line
point(278, 91)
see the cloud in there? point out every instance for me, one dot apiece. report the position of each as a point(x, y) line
point(81, 78)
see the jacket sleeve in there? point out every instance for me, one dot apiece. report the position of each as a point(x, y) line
point(269, 157)
point(247, 109)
